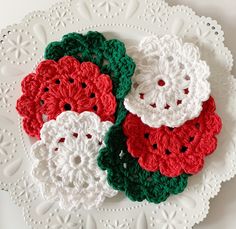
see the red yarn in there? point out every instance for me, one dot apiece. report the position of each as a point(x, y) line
point(66, 85)
point(174, 151)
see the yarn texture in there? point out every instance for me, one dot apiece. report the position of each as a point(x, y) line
point(174, 151)
point(65, 164)
point(64, 85)
point(109, 55)
point(125, 174)
point(170, 82)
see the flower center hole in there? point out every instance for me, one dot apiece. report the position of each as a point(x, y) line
point(71, 80)
point(161, 83)
point(167, 152)
point(67, 107)
point(77, 160)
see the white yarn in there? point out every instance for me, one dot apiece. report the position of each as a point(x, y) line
point(177, 65)
point(66, 161)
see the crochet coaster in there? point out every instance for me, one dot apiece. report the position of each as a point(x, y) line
point(125, 174)
point(62, 86)
point(109, 55)
point(174, 151)
point(170, 82)
point(65, 161)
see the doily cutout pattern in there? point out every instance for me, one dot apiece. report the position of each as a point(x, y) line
point(65, 164)
point(130, 25)
point(66, 85)
point(170, 82)
point(174, 151)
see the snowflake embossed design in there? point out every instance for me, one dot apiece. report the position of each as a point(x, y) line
point(116, 225)
point(18, 46)
point(64, 223)
point(3, 145)
point(61, 18)
point(26, 189)
point(108, 4)
point(168, 220)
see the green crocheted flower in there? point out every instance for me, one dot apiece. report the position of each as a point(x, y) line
point(109, 55)
point(125, 174)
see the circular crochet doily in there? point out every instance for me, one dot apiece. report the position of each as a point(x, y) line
point(22, 48)
point(170, 82)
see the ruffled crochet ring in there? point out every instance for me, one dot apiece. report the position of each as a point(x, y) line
point(174, 151)
point(65, 164)
point(125, 174)
point(62, 86)
point(170, 82)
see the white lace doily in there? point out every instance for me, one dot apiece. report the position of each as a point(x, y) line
point(65, 161)
point(21, 48)
point(170, 81)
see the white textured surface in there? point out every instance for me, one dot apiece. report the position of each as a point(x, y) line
point(165, 68)
point(67, 171)
point(223, 216)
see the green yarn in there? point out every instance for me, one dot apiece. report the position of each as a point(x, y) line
point(109, 55)
point(123, 171)
point(125, 174)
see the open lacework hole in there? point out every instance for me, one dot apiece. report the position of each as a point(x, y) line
point(187, 77)
point(67, 107)
point(100, 143)
point(85, 185)
point(71, 185)
point(167, 107)
point(141, 96)
point(161, 83)
point(154, 146)
point(41, 102)
point(146, 135)
point(181, 66)
point(179, 102)
point(153, 105)
point(79, 54)
point(170, 128)
point(89, 136)
point(105, 62)
point(46, 89)
point(191, 139)
point(83, 85)
point(135, 85)
point(71, 80)
point(186, 91)
point(57, 81)
point(92, 95)
point(183, 149)
point(95, 108)
point(167, 152)
point(149, 178)
point(75, 135)
point(61, 140)
point(197, 125)
point(44, 118)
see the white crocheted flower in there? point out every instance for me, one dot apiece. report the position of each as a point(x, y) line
point(170, 82)
point(66, 160)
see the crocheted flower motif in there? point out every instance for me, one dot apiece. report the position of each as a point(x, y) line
point(109, 55)
point(125, 174)
point(174, 151)
point(62, 86)
point(170, 82)
point(65, 163)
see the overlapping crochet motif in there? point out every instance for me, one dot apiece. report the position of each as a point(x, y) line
point(170, 82)
point(109, 55)
point(65, 160)
point(108, 123)
point(125, 174)
point(174, 151)
point(61, 86)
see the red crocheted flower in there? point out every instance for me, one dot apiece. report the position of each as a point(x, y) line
point(174, 151)
point(64, 85)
